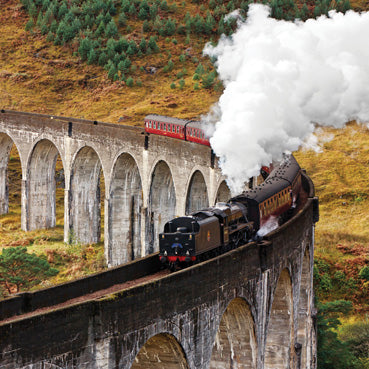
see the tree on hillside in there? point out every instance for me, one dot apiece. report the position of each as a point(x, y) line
point(330, 347)
point(111, 29)
point(19, 269)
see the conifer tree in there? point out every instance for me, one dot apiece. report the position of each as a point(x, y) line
point(146, 27)
point(112, 71)
point(103, 58)
point(100, 29)
point(30, 24)
point(122, 20)
point(152, 44)
point(132, 10)
point(143, 45)
point(125, 5)
point(129, 82)
point(153, 11)
point(19, 269)
point(111, 29)
point(170, 27)
point(92, 56)
point(63, 10)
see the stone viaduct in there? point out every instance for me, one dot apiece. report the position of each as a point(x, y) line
point(148, 180)
point(251, 308)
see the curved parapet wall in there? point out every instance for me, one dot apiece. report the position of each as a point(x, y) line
point(229, 310)
point(129, 161)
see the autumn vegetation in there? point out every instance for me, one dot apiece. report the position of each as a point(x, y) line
point(117, 61)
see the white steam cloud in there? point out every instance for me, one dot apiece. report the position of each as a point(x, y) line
point(281, 78)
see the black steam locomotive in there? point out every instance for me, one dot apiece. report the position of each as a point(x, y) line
point(220, 228)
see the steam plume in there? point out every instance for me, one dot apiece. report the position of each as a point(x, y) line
point(279, 78)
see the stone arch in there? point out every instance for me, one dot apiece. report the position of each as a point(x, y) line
point(223, 193)
point(304, 314)
point(159, 352)
point(161, 205)
point(84, 197)
point(279, 342)
point(235, 342)
point(197, 193)
point(6, 144)
point(41, 186)
point(125, 204)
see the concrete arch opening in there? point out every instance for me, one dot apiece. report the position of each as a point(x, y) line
point(304, 314)
point(159, 352)
point(197, 194)
point(125, 204)
point(42, 176)
point(235, 342)
point(10, 167)
point(223, 193)
point(161, 206)
point(279, 343)
point(85, 196)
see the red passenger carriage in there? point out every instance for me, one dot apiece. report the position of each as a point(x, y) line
point(188, 130)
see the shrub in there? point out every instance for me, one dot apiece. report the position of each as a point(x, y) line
point(129, 82)
point(364, 273)
point(169, 67)
point(30, 24)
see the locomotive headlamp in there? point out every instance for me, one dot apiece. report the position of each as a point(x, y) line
point(165, 253)
point(190, 237)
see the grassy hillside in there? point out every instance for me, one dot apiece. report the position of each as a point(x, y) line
point(37, 76)
point(340, 175)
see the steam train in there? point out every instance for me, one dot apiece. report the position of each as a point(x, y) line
point(220, 228)
point(188, 130)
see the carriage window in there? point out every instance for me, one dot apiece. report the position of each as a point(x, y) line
point(150, 124)
point(155, 125)
point(173, 128)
